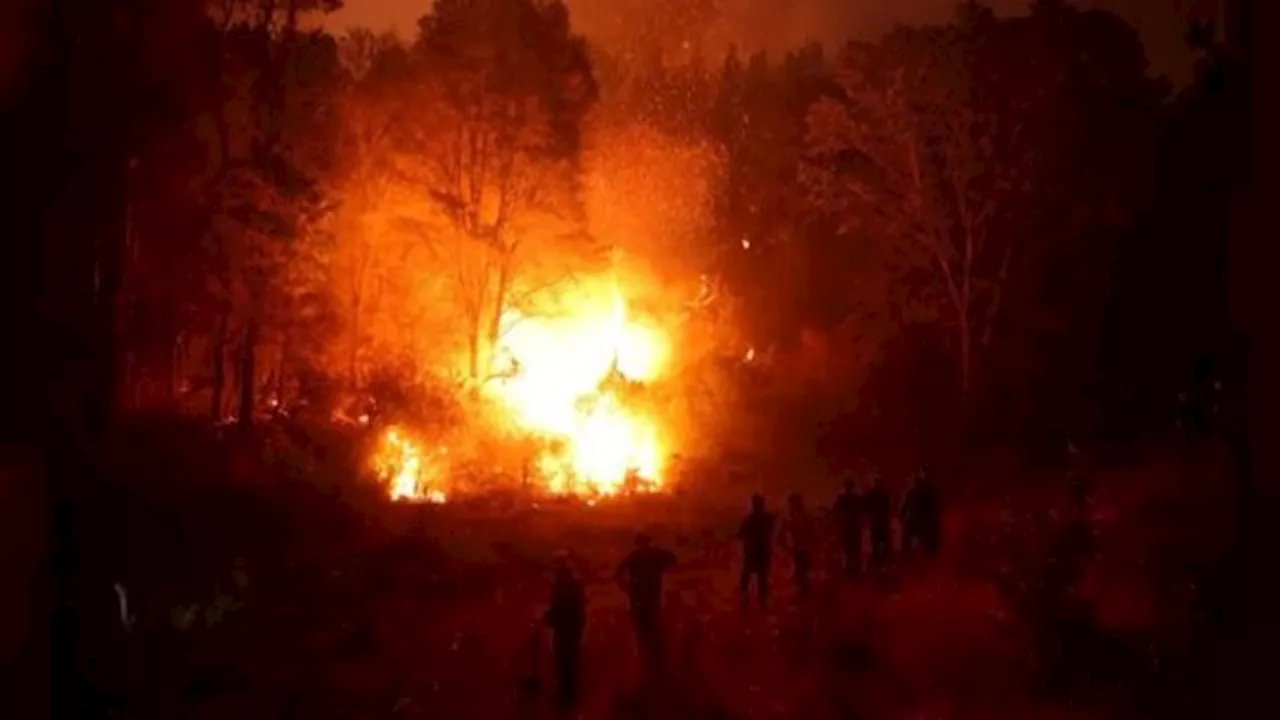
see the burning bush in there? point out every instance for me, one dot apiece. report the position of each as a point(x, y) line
point(564, 409)
point(410, 471)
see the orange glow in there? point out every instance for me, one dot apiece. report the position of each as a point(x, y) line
point(568, 380)
point(409, 476)
point(563, 380)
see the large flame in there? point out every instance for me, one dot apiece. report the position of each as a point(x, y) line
point(400, 463)
point(563, 379)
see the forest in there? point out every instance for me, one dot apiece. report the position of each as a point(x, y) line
point(346, 333)
point(927, 226)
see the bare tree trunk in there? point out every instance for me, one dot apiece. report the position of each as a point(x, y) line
point(473, 348)
point(280, 371)
point(355, 341)
point(248, 376)
point(499, 305)
point(219, 370)
point(966, 356)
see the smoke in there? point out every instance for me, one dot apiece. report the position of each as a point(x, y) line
point(770, 25)
point(777, 25)
point(752, 24)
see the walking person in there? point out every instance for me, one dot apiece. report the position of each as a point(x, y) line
point(566, 616)
point(797, 536)
point(847, 513)
point(756, 535)
point(640, 576)
point(909, 517)
point(878, 507)
point(920, 516)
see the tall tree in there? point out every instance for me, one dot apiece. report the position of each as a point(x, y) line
point(276, 134)
point(911, 145)
point(507, 84)
point(767, 232)
point(998, 159)
point(374, 66)
point(166, 191)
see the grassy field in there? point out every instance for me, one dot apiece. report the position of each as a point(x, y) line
point(268, 583)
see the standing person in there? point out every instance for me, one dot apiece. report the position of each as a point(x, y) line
point(566, 616)
point(640, 577)
point(798, 537)
point(929, 508)
point(909, 517)
point(848, 517)
point(878, 508)
point(756, 535)
point(921, 516)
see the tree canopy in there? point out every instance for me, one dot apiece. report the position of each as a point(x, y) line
point(945, 201)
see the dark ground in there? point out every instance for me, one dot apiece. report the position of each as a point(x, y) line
point(268, 584)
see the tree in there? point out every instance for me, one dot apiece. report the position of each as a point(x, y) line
point(996, 161)
point(507, 85)
point(166, 192)
point(772, 249)
point(375, 68)
point(911, 145)
point(276, 139)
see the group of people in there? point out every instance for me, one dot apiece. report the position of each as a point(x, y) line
point(920, 513)
point(641, 572)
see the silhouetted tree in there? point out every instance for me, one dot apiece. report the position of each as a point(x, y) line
point(498, 144)
point(1004, 155)
point(277, 128)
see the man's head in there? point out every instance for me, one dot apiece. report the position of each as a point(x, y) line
point(643, 540)
point(757, 502)
point(795, 501)
point(850, 484)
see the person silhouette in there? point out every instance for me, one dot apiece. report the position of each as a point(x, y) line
point(847, 513)
point(640, 576)
point(878, 504)
point(756, 535)
point(797, 536)
point(566, 616)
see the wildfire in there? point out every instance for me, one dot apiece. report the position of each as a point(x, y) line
point(400, 463)
point(570, 381)
point(566, 379)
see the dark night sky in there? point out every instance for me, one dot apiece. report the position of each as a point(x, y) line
point(778, 24)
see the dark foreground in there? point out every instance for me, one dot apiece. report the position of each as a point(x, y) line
point(267, 584)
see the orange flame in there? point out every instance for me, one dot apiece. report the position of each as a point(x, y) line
point(400, 464)
point(561, 381)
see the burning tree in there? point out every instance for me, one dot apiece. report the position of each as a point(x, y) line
point(496, 153)
point(366, 177)
point(487, 133)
